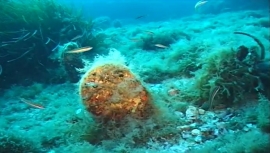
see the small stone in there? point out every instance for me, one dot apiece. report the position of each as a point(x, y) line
point(183, 127)
point(196, 132)
point(216, 132)
point(185, 135)
point(173, 92)
point(246, 129)
point(192, 113)
point(179, 114)
point(201, 111)
point(249, 125)
point(193, 125)
point(78, 111)
point(198, 139)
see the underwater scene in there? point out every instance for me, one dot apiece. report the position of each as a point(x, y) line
point(134, 76)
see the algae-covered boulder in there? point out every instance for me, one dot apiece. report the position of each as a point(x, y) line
point(111, 92)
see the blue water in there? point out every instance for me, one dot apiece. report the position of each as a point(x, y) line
point(157, 10)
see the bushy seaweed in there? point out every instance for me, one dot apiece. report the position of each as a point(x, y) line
point(235, 72)
point(30, 31)
point(15, 143)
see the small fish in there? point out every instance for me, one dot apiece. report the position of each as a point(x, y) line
point(1, 69)
point(31, 104)
point(80, 50)
point(200, 3)
point(161, 46)
point(139, 17)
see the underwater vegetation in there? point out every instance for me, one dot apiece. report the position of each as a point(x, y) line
point(31, 32)
point(231, 75)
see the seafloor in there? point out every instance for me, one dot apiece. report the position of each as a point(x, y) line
point(193, 53)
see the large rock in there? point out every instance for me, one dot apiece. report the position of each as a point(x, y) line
point(112, 92)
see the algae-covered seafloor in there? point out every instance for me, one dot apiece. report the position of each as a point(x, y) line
point(204, 79)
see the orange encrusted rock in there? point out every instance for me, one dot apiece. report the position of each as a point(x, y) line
point(112, 92)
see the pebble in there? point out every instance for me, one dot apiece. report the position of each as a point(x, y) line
point(247, 127)
point(179, 114)
point(216, 132)
point(192, 113)
point(185, 135)
point(196, 132)
point(183, 127)
point(193, 125)
point(205, 125)
point(78, 111)
point(201, 111)
point(198, 139)
point(173, 92)
point(205, 129)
